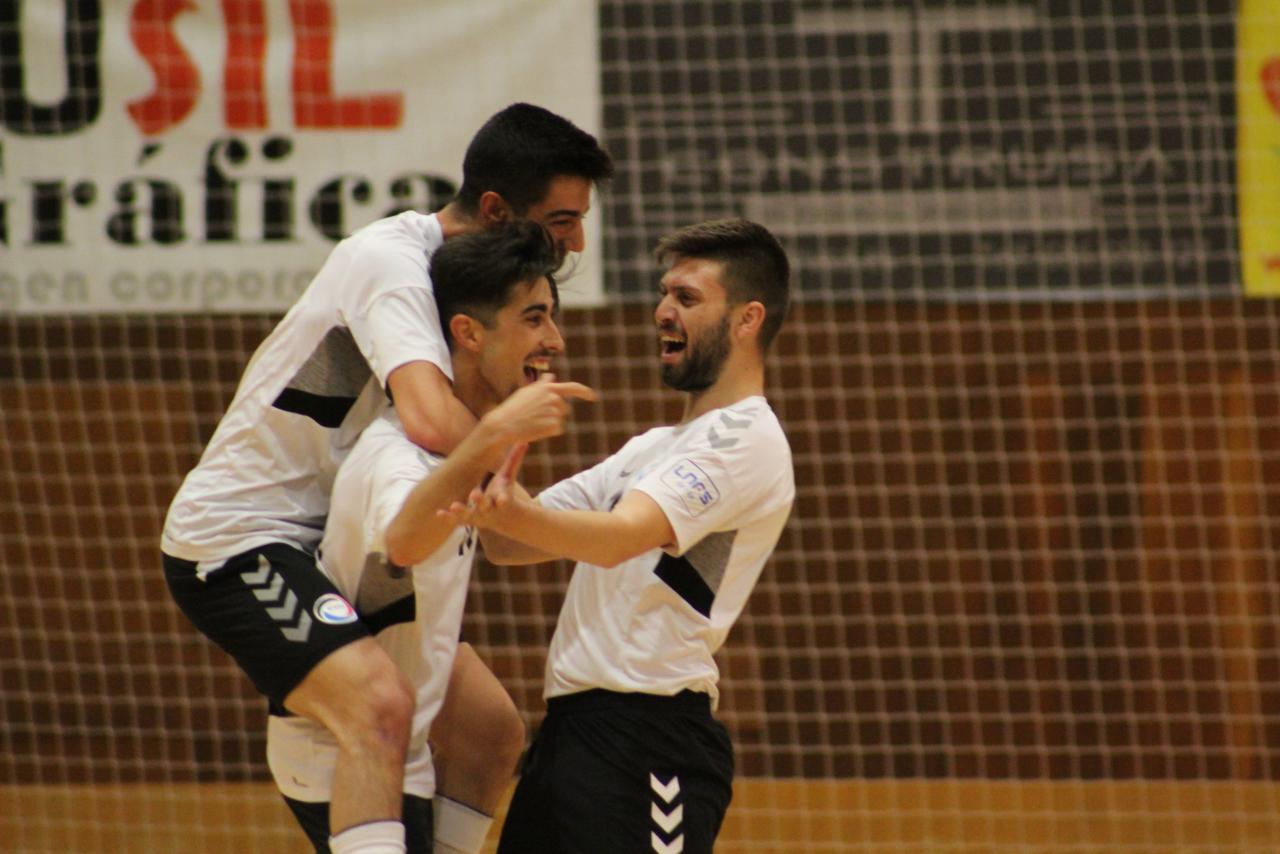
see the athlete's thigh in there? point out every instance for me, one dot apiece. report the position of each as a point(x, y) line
point(593, 788)
point(271, 609)
point(475, 703)
point(625, 781)
point(530, 823)
point(691, 783)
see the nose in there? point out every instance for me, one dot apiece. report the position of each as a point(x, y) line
point(553, 341)
point(576, 238)
point(665, 312)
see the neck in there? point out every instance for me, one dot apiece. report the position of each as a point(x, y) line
point(468, 388)
point(738, 380)
point(454, 222)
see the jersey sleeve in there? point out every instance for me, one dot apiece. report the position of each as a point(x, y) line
point(715, 486)
point(393, 316)
point(579, 492)
point(398, 468)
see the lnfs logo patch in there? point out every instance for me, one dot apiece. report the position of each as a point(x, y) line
point(695, 488)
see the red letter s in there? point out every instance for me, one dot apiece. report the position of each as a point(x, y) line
point(177, 79)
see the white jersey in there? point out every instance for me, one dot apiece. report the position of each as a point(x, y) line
point(308, 391)
point(653, 623)
point(416, 615)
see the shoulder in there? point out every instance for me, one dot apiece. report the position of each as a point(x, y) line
point(407, 238)
point(384, 449)
point(745, 442)
point(643, 441)
point(748, 425)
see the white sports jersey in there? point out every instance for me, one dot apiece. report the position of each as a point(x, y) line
point(653, 623)
point(308, 391)
point(415, 615)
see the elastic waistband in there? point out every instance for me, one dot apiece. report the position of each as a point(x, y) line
point(599, 699)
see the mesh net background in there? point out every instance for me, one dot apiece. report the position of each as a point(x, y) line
point(1027, 599)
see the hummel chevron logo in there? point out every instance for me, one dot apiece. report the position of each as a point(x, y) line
point(729, 423)
point(272, 593)
point(716, 442)
point(666, 791)
point(675, 846)
point(263, 573)
point(266, 583)
point(667, 822)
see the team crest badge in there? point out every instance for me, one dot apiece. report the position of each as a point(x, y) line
point(334, 610)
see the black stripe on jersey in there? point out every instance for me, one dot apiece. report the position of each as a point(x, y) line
point(678, 574)
point(324, 410)
point(327, 384)
point(399, 611)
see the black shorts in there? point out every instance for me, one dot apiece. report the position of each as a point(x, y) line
point(271, 609)
point(419, 823)
point(622, 773)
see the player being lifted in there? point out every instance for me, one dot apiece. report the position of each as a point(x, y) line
point(670, 535)
point(240, 535)
point(405, 569)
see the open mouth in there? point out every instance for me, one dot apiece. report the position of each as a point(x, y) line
point(672, 345)
point(535, 368)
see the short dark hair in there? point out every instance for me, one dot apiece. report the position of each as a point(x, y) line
point(755, 264)
point(474, 274)
point(520, 150)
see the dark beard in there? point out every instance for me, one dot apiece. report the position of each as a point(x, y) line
point(702, 364)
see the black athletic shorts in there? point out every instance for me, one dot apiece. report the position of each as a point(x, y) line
point(622, 773)
point(271, 609)
point(418, 823)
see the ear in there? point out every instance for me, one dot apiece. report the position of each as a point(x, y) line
point(494, 209)
point(750, 318)
point(467, 332)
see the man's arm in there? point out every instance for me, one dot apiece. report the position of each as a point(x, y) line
point(504, 551)
point(432, 417)
point(636, 525)
point(532, 413)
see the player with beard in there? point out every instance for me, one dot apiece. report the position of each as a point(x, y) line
point(669, 535)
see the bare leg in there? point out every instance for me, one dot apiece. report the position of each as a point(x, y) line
point(477, 738)
point(360, 695)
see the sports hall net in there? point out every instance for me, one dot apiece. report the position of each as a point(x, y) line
point(1027, 600)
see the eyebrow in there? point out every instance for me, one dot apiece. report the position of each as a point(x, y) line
point(665, 288)
point(535, 308)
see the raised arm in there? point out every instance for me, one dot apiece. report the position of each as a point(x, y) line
point(500, 489)
point(432, 416)
point(534, 412)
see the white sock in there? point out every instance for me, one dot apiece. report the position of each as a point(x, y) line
point(459, 829)
point(375, 837)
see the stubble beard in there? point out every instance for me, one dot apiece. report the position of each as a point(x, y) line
point(702, 363)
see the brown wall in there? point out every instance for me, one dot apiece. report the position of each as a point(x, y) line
point(1030, 541)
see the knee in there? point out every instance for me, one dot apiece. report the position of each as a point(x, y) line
point(381, 711)
point(505, 731)
point(392, 703)
point(484, 734)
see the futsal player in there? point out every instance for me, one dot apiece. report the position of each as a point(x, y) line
point(669, 535)
point(241, 533)
point(405, 569)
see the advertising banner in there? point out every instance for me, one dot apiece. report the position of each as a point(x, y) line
point(1007, 150)
point(1258, 141)
point(205, 155)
